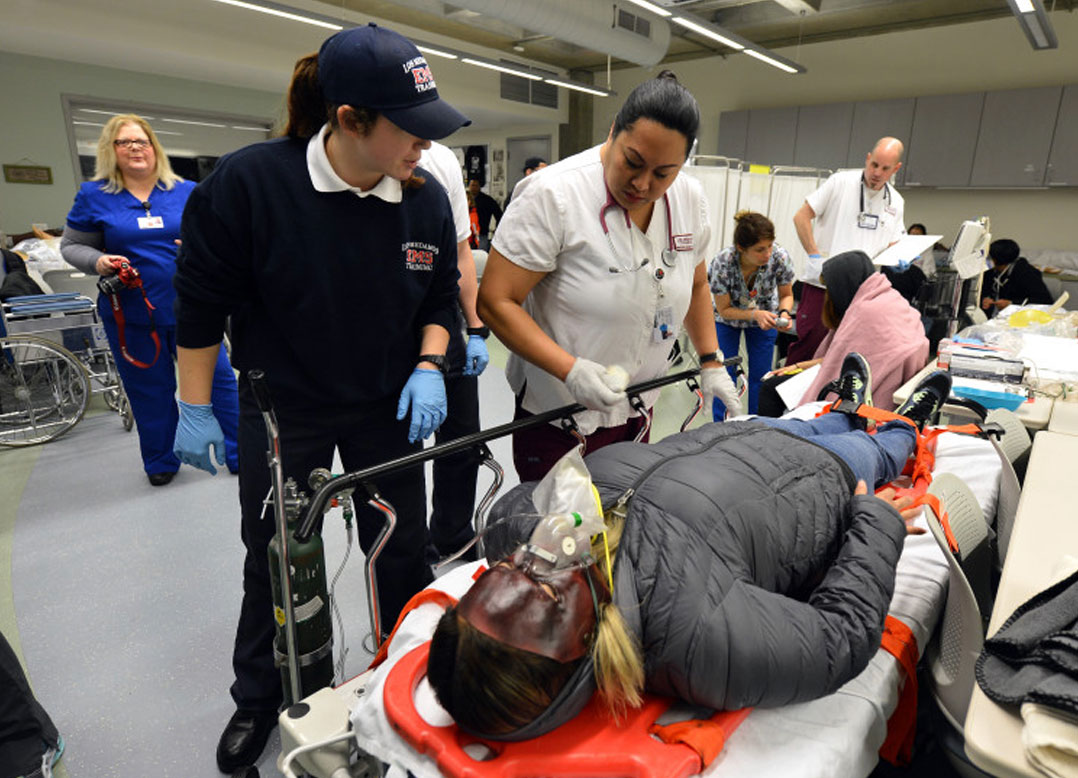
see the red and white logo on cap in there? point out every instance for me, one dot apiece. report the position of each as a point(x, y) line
point(420, 70)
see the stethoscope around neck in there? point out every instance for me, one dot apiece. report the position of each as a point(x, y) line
point(669, 254)
point(864, 186)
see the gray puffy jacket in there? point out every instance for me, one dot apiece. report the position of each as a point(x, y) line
point(748, 569)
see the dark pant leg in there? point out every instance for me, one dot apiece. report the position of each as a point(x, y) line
point(730, 345)
point(369, 438)
point(769, 403)
point(151, 391)
point(25, 728)
point(305, 445)
point(760, 346)
point(453, 497)
point(226, 407)
point(810, 328)
point(537, 449)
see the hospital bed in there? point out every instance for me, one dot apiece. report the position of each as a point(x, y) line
point(836, 735)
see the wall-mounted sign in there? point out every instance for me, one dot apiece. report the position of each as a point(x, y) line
point(27, 174)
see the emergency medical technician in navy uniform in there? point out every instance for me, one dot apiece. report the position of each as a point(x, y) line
point(336, 259)
point(131, 211)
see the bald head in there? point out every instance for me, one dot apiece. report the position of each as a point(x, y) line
point(883, 162)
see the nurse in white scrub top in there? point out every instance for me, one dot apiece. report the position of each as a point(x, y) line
point(599, 262)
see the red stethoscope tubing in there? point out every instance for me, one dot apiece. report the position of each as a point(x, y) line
point(611, 202)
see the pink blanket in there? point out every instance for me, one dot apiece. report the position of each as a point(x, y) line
point(885, 330)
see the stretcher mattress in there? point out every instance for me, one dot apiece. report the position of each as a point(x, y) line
point(836, 735)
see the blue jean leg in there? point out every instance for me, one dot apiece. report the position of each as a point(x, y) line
point(875, 459)
point(760, 347)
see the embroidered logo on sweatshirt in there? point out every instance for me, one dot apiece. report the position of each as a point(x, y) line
point(419, 256)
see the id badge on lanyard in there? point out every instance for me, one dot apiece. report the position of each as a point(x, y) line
point(663, 328)
point(151, 223)
point(868, 221)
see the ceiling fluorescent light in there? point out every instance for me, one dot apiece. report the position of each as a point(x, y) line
point(577, 87)
point(252, 129)
point(200, 124)
point(269, 9)
point(501, 68)
point(707, 32)
point(651, 7)
point(1034, 23)
point(771, 61)
point(436, 52)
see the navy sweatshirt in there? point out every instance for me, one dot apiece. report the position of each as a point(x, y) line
point(328, 292)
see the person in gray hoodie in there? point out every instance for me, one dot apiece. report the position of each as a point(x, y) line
point(753, 567)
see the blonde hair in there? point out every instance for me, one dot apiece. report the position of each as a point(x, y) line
point(618, 664)
point(106, 169)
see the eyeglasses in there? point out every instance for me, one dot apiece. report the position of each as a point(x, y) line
point(131, 143)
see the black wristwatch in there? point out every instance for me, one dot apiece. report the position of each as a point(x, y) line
point(438, 360)
point(483, 332)
point(711, 357)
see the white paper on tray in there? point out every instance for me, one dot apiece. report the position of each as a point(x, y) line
point(793, 389)
point(907, 249)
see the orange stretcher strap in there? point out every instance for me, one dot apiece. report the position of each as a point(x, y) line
point(421, 597)
point(704, 736)
point(899, 641)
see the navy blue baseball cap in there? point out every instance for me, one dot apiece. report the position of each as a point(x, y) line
point(373, 67)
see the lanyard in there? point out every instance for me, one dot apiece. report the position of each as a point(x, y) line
point(886, 193)
point(669, 255)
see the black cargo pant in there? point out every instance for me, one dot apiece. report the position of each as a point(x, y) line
point(25, 728)
point(364, 437)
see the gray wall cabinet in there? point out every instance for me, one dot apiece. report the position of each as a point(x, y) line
point(1063, 161)
point(875, 119)
point(823, 135)
point(943, 140)
point(1015, 137)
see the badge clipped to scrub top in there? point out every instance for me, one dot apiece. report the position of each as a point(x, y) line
point(151, 223)
point(664, 324)
point(868, 221)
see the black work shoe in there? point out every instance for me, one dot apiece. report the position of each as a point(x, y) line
point(244, 739)
point(160, 479)
point(927, 398)
point(855, 380)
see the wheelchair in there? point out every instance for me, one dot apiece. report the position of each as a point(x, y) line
point(53, 356)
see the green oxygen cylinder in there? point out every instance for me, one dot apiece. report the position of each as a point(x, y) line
point(310, 597)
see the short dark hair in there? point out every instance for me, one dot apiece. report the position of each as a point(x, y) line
point(531, 163)
point(917, 226)
point(662, 99)
point(1005, 251)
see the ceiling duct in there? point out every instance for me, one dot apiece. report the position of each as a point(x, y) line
point(599, 26)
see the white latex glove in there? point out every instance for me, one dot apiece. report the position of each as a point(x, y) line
point(595, 386)
point(715, 382)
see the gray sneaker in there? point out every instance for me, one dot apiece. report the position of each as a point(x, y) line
point(927, 398)
point(855, 380)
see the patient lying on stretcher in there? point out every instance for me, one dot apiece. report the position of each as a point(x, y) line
point(751, 567)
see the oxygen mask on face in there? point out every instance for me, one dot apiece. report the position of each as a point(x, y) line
point(559, 541)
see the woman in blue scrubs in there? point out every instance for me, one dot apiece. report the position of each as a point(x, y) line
point(130, 212)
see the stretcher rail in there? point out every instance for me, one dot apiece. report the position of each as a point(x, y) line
point(321, 498)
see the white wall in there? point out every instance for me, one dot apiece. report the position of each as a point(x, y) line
point(941, 60)
point(34, 130)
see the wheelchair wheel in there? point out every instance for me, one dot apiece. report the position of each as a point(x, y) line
point(44, 389)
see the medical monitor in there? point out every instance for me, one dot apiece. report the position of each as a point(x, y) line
point(970, 249)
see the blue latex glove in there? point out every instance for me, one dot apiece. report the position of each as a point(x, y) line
point(815, 256)
point(196, 431)
point(425, 392)
point(476, 356)
point(903, 265)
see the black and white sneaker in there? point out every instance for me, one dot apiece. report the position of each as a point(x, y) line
point(927, 398)
point(855, 380)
